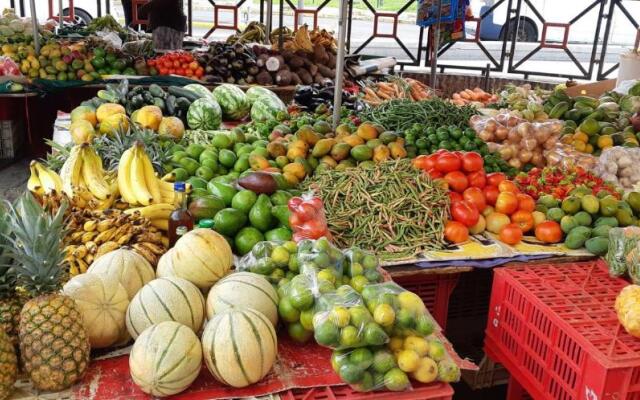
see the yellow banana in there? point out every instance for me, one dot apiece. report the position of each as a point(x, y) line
point(49, 179)
point(160, 223)
point(105, 224)
point(93, 174)
point(88, 236)
point(154, 248)
point(70, 173)
point(124, 177)
point(154, 211)
point(105, 248)
point(153, 183)
point(169, 177)
point(166, 186)
point(105, 236)
point(138, 184)
point(124, 239)
point(33, 184)
point(90, 225)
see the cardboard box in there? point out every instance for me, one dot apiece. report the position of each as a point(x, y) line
point(594, 89)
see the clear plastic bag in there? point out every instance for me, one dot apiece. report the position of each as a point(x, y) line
point(369, 369)
point(307, 219)
point(619, 165)
point(297, 298)
point(276, 260)
point(321, 260)
point(8, 67)
point(361, 267)
point(633, 263)
point(566, 156)
point(341, 321)
point(621, 242)
point(399, 311)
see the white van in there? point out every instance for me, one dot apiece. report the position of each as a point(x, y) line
point(84, 10)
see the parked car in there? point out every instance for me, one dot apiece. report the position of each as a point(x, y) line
point(494, 25)
point(84, 10)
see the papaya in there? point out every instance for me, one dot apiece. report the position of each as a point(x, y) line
point(312, 162)
point(323, 147)
point(362, 152)
point(397, 150)
point(381, 153)
point(329, 161)
point(353, 140)
point(295, 168)
point(113, 123)
point(281, 161)
point(276, 149)
point(322, 127)
point(367, 131)
point(81, 131)
point(303, 161)
point(291, 178)
point(388, 137)
point(149, 117)
point(107, 109)
point(258, 163)
point(340, 151)
point(308, 135)
point(601, 231)
point(295, 152)
point(171, 126)
point(373, 143)
point(597, 245)
point(608, 221)
point(206, 207)
point(84, 113)
point(343, 130)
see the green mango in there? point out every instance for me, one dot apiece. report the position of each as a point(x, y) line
point(223, 190)
point(260, 215)
point(280, 198)
point(281, 233)
point(206, 207)
point(246, 239)
point(282, 213)
point(229, 221)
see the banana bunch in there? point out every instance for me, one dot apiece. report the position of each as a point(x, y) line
point(157, 214)
point(300, 40)
point(137, 182)
point(92, 233)
point(323, 38)
point(253, 33)
point(42, 180)
point(85, 181)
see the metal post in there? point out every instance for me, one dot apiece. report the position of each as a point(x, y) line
point(281, 24)
point(34, 23)
point(436, 45)
point(342, 34)
point(60, 16)
point(190, 16)
point(268, 21)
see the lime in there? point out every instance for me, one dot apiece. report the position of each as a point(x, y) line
point(287, 311)
point(291, 247)
point(359, 316)
point(356, 269)
point(396, 380)
point(396, 343)
point(280, 256)
point(366, 384)
point(244, 200)
point(411, 301)
point(298, 333)
point(374, 335)
point(351, 373)
point(293, 263)
point(369, 293)
point(306, 319)
point(383, 361)
point(349, 336)
point(327, 275)
point(322, 260)
point(408, 360)
point(338, 359)
point(301, 297)
point(359, 282)
point(448, 371)
point(427, 371)
point(384, 315)
point(417, 344)
point(378, 380)
point(424, 325)
point(404, 319)
point(227, 158)
point(373, 275)
point(340, 316)
point(436, 350)
point(327, 334)
point(361, 357)
point(370, 261)
point(246, 239)
point(276, 275)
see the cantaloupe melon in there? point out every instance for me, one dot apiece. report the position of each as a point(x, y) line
point(165, 299)
point(107, 109)
point(103, 302)
point(166, 359)
point(243, 289)
point(239, 346)
point(131, 269)
point(201, 256)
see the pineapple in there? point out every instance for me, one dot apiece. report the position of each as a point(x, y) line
point(10, 304)
point(8, 365)
point(54, 348)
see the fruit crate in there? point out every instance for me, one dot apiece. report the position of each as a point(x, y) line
point(432, 391)
point(555, 329)
point(433, 289)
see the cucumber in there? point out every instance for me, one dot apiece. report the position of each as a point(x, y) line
point(180, 92)
point(170, 104)
point(183, 103)
point(156, 90)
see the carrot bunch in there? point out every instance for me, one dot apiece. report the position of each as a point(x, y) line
point(376, 93)
point(477, 96)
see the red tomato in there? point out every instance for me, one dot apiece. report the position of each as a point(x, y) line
point(457, 181)
point(420, 162)
point(523, 219)
point(316, 203)
point(477, 179)
point(474, 195)
point(199, 72)
point(180, 71)
point(491, 194)
point(510, 234)
point(472, 162)
point(295, 220)
point(176, 63)
point(455, 232)
point(168, 64)
point(526, 202)
point(188, 72)
point(172, 56)
point(172, 71)
point(454, 197)
point(448, 162)
point(163, 71)
point(508, 186)
point(495, 178)
point(151, 63)
point(307, 212)
point(314, 228)
point(293, 203)
point(458, 154)
point(434, 173)
point(506, 203)
point(465, 212)
point(549, 232)
point(193, 65)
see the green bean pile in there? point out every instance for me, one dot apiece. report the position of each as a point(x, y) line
point(399, 115)
point(391, 209)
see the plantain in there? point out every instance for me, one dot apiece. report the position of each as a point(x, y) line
point(88, 236)
point(90, 226)
point(106, 248)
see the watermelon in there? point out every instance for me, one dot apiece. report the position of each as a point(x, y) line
point(232, 100)
point(201, 90)
point(204, 114)
point(258, 92)
point(264, 109)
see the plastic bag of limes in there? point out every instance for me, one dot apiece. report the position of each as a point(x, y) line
point(322, 260)
point(276, 260)
point(399, 311)
point(622, 241)
point(424, 358)
point(361, 267)
point(296, 304)
point(341, 321)
point(368, 369)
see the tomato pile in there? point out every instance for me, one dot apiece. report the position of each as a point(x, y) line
point(481, 201)
point(178, 63)
point(307, 218)
point(560, 182)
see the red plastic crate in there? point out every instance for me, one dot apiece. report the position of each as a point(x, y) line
point(433, 289)
point(433, 391)
point(555, 329)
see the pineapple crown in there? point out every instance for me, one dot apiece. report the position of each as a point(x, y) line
point(34, 243)
point(7, 273)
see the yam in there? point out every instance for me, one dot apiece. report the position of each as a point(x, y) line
point(262, 58)
point(274, 63)
point(296, 62)
point(295, 79)
point(326, 71)
point(320, 55)
point(287, 55)
point(264, 78)
point(318, 79)
point(283, 78)
point(305, 76)
point(313, 69)
point(331, 62)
